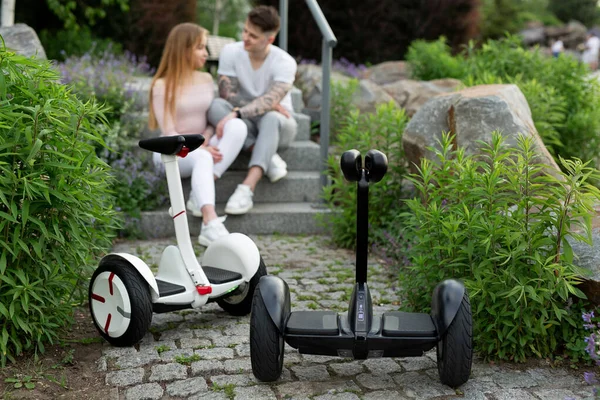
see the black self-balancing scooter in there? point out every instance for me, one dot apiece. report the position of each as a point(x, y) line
point(359, 334)
point(123, 291)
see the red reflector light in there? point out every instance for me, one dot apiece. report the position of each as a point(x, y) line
point(183, 152)
point(202, 290)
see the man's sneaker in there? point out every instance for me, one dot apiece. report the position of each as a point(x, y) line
point(240, 201)
point(277, 168)
point(212, 231)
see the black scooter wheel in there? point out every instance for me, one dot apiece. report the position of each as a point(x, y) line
point(266, 342)
point(239, 302)
point(120, 303)
point(455, 350)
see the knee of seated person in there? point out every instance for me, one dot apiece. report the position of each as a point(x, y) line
point(237, 127)
point(204, 155)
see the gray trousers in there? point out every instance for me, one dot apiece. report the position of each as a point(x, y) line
point(267, 133)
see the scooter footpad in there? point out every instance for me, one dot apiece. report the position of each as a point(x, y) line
point(168, 289)
point(218, 276)
point(313, 323)
point(398, 323)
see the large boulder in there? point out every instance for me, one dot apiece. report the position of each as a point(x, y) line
point(411, 95)
point(366, 97)
point(23, 40)
point(472, 114)
point(387, 72)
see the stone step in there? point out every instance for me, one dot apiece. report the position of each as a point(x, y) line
point(302, 120)
point(302, 155)
point(297, 186)
point(263, 219)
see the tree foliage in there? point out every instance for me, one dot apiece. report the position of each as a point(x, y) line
point(375, 31)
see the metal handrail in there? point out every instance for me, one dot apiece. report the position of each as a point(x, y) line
point(329, 42)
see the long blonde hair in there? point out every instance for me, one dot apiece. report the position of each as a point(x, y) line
point(176, 65)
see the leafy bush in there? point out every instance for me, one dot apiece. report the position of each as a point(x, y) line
point(56, 211)
point(69, 42)
point(431, 60)
point(381, 130)
point(501, 225)
point(564, 101)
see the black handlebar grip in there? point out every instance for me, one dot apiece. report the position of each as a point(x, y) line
point(376, 164)
point(351, 163)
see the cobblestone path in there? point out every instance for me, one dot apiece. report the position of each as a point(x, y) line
point(204, 354)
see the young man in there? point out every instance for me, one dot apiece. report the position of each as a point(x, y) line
point(255, 79)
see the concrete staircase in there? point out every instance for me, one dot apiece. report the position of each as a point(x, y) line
point(286, 207)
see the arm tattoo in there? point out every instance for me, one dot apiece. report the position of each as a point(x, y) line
point(267, 101)
point(229, 89)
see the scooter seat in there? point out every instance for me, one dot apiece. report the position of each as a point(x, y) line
point(313, 323)
point(398, 323)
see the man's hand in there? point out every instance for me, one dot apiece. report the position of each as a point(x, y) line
point(279, 108)
point(215, 153)
point(221, 124)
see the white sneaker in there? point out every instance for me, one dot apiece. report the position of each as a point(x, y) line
point(277, 168)
point(212, 231)
point(240, 201)
point(193, 207)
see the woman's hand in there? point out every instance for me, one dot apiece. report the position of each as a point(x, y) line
point(215, 153)
point(221, 125)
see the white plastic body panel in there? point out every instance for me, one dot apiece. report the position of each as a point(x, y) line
point(234, 252)
point(143, 269)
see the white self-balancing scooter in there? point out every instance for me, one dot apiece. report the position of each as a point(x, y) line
point(123, 291)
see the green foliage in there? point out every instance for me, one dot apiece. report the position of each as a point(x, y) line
point(68, 11)
point(55, 206)
point(231, 16)
point(69, 42)
point(584, 11)
point(381, 130)
point(501, 225)
point(510, 16)
point(564, 101)
point(431, 60)
point(341, 106)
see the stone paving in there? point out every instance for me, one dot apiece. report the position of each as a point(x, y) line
point(205, 354)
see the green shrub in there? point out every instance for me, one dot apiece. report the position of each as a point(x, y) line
point(55, 205)
point(564, 101)
point(381, 130)
point(341, 106)
point(60, 45)
point(432, 60)
point(502, 226)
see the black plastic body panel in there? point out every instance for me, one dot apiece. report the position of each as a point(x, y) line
point(446, 300)
point(276, 296)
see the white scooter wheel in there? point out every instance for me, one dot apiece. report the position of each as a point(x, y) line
point(239, 302)
point(120, 304)
point(455, 350)
point(266, 342)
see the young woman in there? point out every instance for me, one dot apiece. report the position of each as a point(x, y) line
point(180, 96)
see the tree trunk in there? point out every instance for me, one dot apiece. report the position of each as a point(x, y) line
point(217, 17)
point(7, 13)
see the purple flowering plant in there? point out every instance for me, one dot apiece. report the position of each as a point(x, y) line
point(342, 65)
point(111, 78)
point(592, 348)
point(106, 77)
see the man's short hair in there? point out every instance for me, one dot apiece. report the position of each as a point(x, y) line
point(265, 17)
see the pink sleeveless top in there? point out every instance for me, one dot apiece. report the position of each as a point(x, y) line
point(190, 109)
